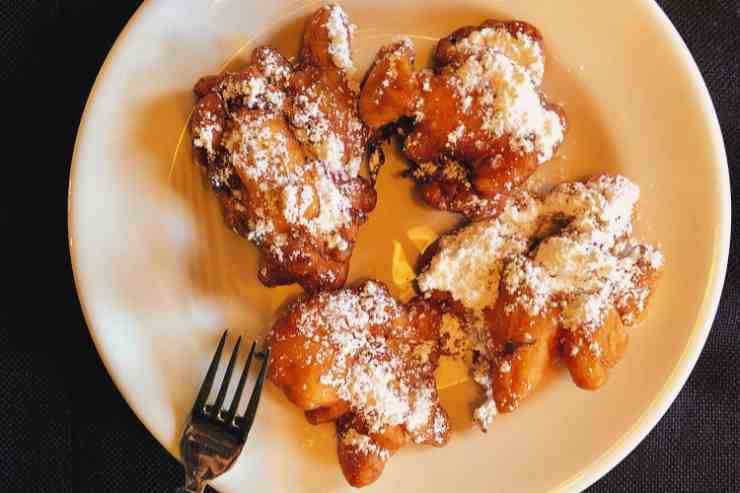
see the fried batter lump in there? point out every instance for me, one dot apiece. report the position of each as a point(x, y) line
point(282, 147)
point(477, 126)
point(557, 276)
point(358, 357)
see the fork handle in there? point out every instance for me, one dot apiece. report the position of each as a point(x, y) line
point(185, 489)
point(192, 486)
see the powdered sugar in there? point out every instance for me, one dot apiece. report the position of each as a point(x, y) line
point(364, 444)
point(522, 48)
point(333, 153)
point(334, 209)
point(254, 92)
point(593, 254)
point(309, 119)
point(204, 134)
point(481, 106)
point(401, 47)
point(483, 414)
point(380, 382)
point(469, 261)
point(509, 103)
point(456, 134)
point(272, 66)
point(340, 36)
point(593, 263)
point(259, 151)
point(298, 166)
point(571, 249)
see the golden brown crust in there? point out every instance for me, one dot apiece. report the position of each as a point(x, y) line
point(443, 124)
point(589, 355)
point(524, 347)
point(328, 413)
point(362, 454)
point(315, 43)
point(447, 50)
point(382, 100)
point(282, 146)
point(557, 275)
point(358, 357)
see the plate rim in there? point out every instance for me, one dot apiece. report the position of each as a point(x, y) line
point(673, 384)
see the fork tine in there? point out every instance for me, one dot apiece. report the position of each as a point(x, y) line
point(205, 387)
point(254, 399)
point(227, 378)
point(240, 387)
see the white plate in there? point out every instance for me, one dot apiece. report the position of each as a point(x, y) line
point(159, 277)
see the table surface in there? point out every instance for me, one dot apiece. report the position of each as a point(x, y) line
point(65, 426)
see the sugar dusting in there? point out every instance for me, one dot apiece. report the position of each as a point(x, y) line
point(593, 264)
point(509, 103)
point(383, 382)
point(496, 77)
point(363, 444)
point(340, 35)
point(572, 248)
point(300, 167)
point(520, 47)
point(481, 104)
point(204, 135)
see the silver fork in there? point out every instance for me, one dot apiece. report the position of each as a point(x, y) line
point(214, 437)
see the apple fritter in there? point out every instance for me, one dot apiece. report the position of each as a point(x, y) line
point(559, 275)
point(478, 125)
point(282, 146)
point(358, 357)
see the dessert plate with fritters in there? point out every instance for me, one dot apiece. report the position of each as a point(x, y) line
point(160, 276)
